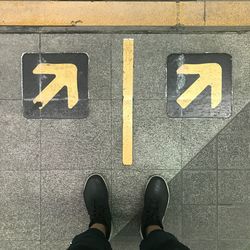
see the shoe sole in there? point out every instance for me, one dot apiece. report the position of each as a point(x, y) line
point(111, 231)
point(168, 197)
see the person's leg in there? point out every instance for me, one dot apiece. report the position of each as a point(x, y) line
point(161, 240)
point(97, 204)
point(156, 200)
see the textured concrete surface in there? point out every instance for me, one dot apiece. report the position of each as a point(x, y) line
point(44, 163)
point(12, 48)
point(69, 144)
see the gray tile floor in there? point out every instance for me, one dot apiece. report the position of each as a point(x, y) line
point(43, 164)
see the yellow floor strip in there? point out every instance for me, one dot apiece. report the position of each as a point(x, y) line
point(228, 13)
point(126, 13)
point(128, 64)
point(79, 13)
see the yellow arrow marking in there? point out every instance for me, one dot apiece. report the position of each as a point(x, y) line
point(128, 64)
point(65, 75)
point(210, 75)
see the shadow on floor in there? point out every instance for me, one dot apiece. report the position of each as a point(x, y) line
point(209, 205)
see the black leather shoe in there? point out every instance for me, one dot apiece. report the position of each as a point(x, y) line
point(156, 200)
point(97, 202)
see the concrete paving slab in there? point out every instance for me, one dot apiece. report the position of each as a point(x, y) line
point(173, 219)
point(233, 187)
point(233, 244)
point(201, 244)
point(234, 151)
point(206, 159)
point(176, 189)
point(55, 245)
point(234, 222)
point(199, 187)
point(20, 245)
point(234, 143)
point(98, 48)
point(62, 206)
point(199, 222)
point(20, 205)
point(240, 126)
point(196, 133)
point(20, 138)
point(157, 139)
point(79, 144)
point(12, 47)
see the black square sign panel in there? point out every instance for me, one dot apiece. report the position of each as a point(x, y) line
point(199, 85)
point(55, 85)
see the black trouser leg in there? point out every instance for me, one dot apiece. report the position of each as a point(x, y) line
point(92, 239)
point(160, 240)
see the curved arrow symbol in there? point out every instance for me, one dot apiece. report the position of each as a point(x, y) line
point(65, 75)
point(210, 75)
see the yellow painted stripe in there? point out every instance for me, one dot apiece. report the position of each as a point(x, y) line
point(127, 13)
point(191, 13)
point(68, 13)
point(128, 64)
point(228, 13)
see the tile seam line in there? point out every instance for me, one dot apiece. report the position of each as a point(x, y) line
point(40, 164)
point(205, 13)
point(111, 125)
point(121, 169)
point(217, 192)
point(182, 188)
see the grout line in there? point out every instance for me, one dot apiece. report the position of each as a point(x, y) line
point(182, 192)
point(11, 99)
point(178, 9)
point(18, 240)
point(205, 12)
point(40, 164)
point(40, 160)
point(122, 169)
point(182, 187)
point(217, 193)
point(111, 118)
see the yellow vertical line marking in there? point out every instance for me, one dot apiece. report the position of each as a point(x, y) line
point(127, 135)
